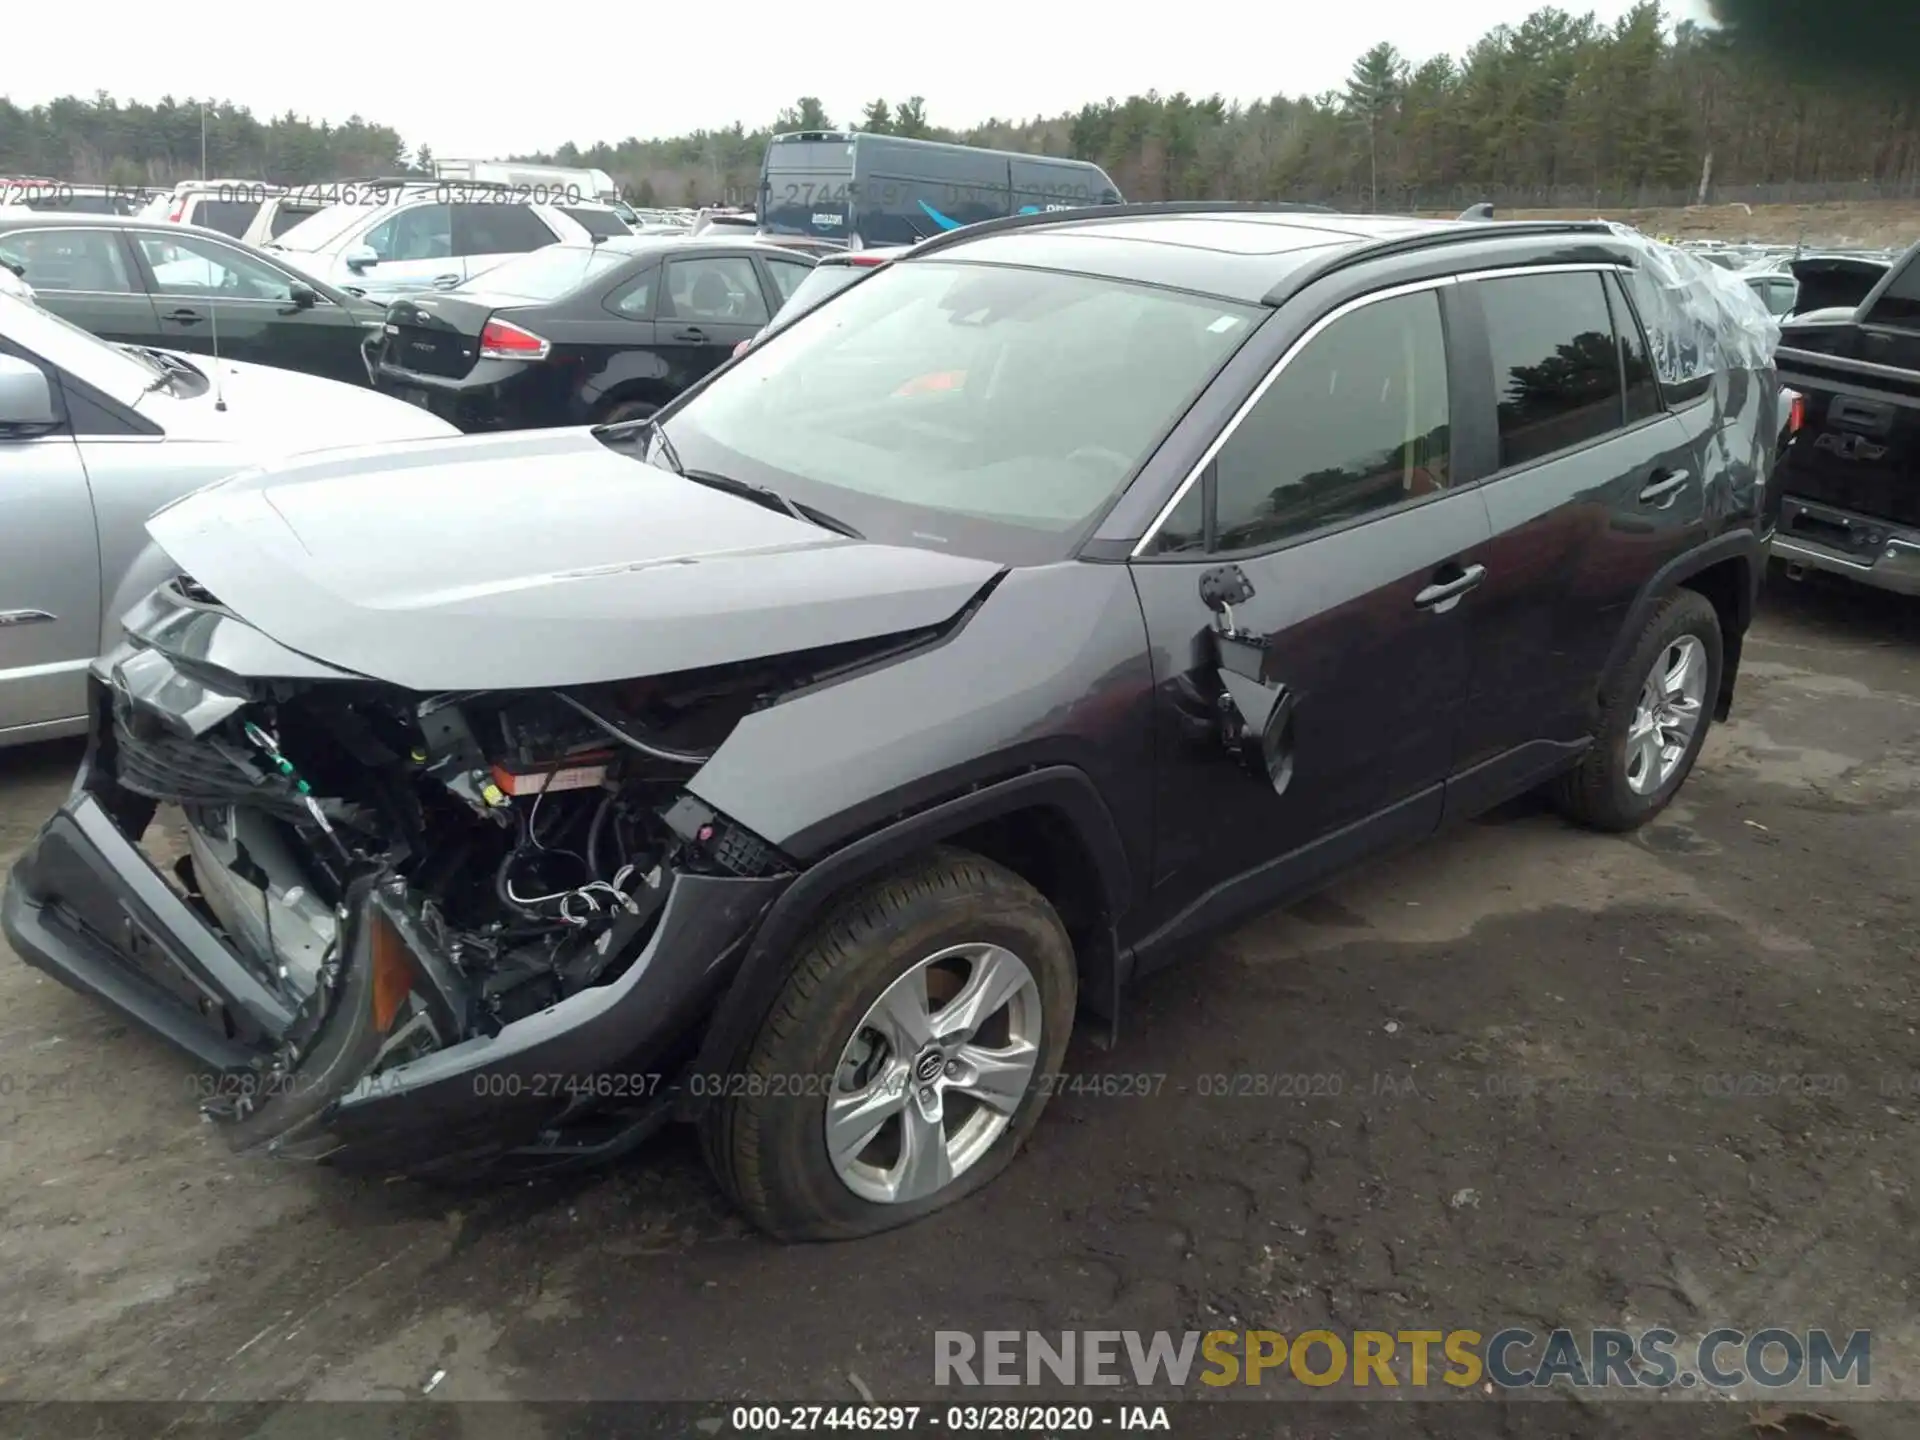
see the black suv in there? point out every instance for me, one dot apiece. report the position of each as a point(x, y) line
point(803, 759)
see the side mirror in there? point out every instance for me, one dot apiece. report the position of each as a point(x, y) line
point(360, 258)
point(301, 296)
point(26, 399)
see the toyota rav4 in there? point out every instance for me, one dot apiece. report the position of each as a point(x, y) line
point(804, 760)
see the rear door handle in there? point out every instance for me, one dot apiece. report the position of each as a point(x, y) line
point(1442, 595)
point(1665, 483)
point(446, 282)
point(185, 317)
point(692, 332)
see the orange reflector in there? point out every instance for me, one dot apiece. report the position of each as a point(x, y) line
point(1797, 414)
point(392, 975)
point(933, 382)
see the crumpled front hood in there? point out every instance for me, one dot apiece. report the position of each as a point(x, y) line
point(535, 559)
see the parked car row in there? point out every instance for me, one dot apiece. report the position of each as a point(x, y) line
point(573, 333)
point(183, 287)
point(565, 331)
point(1792, 280)
point(78, 493)
point(1065, 589)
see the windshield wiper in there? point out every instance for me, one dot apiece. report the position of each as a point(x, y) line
point(760, 494)
point(772, 499)
point(164, 372)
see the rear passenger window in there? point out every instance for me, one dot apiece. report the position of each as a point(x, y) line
point(1643, 394)
point(482, 229)
point(1356, 423)
point(716, 288)
point(1556, 369)
point(229, 217)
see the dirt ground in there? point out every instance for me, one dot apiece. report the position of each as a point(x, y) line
point(1526, 1023)
point(1867, 223)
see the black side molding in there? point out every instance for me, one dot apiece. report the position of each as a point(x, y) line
point(1742, 544)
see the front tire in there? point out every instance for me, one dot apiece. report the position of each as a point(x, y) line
point(1654, 715)
point(904, 1062)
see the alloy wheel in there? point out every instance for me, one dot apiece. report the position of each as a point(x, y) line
point(932, 1075)
point(1672, 701)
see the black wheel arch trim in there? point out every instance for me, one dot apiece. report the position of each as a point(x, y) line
point(769, 958)
point(1744, 545)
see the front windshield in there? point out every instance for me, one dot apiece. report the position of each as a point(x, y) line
point(980, 407)
point(547, 273)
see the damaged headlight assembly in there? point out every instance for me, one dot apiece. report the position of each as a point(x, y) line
point(408, 872)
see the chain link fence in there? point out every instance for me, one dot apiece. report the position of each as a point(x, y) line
point(1399, 199)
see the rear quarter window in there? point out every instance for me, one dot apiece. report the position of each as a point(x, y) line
point(229, 217)
point(288, 216)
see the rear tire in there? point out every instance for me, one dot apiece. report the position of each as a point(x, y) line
point(944, 918)
point(1638, 760)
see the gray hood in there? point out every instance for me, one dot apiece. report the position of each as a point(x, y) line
point(536, 559)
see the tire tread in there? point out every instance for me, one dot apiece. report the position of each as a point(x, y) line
point(1585, 794)
point(734, 1128)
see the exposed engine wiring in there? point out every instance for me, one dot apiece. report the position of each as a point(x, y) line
point(652, 751)
point(585, 894)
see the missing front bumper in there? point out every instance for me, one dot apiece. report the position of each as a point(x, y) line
point(88, 907)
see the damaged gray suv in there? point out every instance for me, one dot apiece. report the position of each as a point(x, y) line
point(803, 761)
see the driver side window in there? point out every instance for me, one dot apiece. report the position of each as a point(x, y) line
point(192, 265)
point(424, 232)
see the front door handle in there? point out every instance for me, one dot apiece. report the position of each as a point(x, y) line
point(446, 282)
point(184, 317)
point(692, 333)
point(1665, 484)
point(1443, 595)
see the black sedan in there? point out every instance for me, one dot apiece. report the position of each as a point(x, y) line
point(182, 287)
point(578, 334)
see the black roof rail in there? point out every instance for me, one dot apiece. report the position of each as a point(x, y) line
point(1435, 238)
point(1082, 213)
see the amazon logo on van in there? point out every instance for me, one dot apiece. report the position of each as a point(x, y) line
point(947, 222)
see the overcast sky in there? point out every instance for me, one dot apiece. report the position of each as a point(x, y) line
point(563, 72)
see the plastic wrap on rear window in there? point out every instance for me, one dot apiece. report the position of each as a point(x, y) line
point(1703, 318)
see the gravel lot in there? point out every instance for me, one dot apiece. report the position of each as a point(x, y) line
point(1484, 1002)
